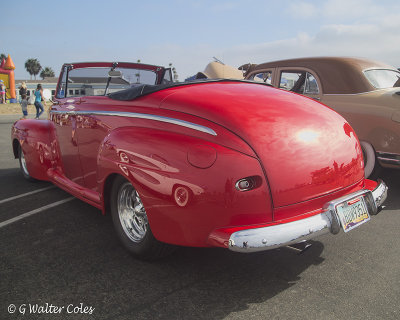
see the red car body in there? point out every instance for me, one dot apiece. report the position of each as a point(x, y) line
point(218, 163)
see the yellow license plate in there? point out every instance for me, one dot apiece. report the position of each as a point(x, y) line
point(352, 213)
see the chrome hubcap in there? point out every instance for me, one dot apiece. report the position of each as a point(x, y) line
point(132, 214)
point(23, 164)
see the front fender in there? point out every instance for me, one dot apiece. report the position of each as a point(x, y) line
point(36, 138)
point(164, 166)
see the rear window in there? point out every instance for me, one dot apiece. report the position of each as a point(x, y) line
point(383, 78)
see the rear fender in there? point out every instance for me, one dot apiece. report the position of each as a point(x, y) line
point(164, 166)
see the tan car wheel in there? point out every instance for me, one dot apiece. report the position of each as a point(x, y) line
point(369, 158)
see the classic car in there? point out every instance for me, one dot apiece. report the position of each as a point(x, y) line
point(223, 163)
point(366, 93)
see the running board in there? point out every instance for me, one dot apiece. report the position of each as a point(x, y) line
point(75, 189)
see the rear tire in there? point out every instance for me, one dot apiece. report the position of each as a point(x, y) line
point(22, 165)
point(131, 224)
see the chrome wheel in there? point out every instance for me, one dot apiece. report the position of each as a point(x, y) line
point(131, 212)
point(23, 164)
point(131, 223)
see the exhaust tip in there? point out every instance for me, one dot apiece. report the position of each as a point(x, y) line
point(300, 247)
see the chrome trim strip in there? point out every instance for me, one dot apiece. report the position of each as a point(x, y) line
point(347, 94)
point(388, 157)
point(389, 161)
point(355, 94)
point(275, 236)
point(381, 153)
point(178, 122)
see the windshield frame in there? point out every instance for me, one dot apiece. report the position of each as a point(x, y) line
point(158, 70)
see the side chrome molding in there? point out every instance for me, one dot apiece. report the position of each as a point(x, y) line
point(178, 122)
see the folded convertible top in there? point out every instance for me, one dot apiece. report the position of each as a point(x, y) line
point(144, 89)
point(135, 92)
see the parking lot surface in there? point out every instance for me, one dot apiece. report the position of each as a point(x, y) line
point(60, 259)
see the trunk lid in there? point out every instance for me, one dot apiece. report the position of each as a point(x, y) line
point(307, 150)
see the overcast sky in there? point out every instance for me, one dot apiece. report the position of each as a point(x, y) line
point(188, 33)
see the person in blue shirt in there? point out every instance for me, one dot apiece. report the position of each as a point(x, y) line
point(38, 101)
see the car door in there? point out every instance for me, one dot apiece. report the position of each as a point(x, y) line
point(63, 116)
point(91, 131)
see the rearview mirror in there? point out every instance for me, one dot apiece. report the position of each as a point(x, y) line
point(115, 74)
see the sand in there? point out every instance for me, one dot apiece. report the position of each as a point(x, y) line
point(15, 108)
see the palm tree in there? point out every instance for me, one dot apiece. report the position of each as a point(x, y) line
point(33, 67)
point(47, 72)
point(2, 56)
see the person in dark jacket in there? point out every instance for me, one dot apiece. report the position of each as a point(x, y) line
point(22, 91)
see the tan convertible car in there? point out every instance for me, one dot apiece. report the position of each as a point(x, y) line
point(365, 92)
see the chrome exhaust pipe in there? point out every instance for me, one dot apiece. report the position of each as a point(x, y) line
point(300, 247)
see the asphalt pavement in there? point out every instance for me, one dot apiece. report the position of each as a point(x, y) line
point(60, 259)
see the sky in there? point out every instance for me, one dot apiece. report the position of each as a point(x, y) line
point(189, 33)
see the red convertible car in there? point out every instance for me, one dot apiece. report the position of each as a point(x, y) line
point(223, 163)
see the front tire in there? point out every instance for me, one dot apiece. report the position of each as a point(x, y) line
point(22, 165)
point(131, 224)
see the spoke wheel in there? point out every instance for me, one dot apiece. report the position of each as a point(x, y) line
point(131, 212)
point(22, 165)
point(132, 224)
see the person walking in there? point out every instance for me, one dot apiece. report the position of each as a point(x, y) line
point(38, 101)
point(24, 106)
point(22, 90)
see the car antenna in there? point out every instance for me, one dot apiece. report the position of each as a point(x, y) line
point(217, 60)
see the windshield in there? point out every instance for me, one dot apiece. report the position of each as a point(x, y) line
point(93, 81)
point(383, 78)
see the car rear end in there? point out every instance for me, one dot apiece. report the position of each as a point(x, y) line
point(310, 156)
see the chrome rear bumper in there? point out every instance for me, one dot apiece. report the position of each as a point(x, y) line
point(275, 236)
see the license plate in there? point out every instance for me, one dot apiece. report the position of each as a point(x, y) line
point(352, 213)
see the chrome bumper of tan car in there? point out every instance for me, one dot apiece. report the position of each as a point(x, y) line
point(275, 236)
